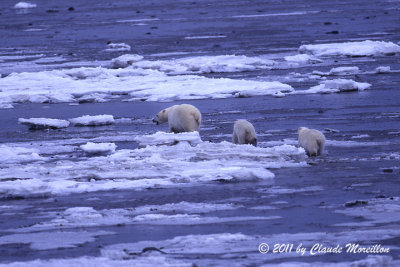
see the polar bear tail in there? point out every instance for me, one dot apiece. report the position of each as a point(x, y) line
point(321, 144)
point(197, 118)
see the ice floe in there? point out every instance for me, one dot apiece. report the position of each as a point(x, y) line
point(383, 69)
point(339, 143)
point(125, 61)
point(198, 64)
point(145, 260)
point(118, 47)
point(339, 71)
point(52, 240)
point(297, 13)
point(204, 37)
point(148, 79)
point(370, 260)
point(382, 210)
point(96, 120)
point(363, 48)
point(302, 59)
point(18, 155)
point(181, 213)
point(360, 136)
point(44, 123)
point(164, 80)
point(22, 5)
point(136, 20)
point(141, 84)
point(335, 86)
point(98, 148)
point(277, 190)
point(222, 249)
point(225, 246)
point(151, 166)
point(186, 207)
point(163, 138)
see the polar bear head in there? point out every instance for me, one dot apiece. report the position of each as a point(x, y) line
point(161, 116)
point(301, 129)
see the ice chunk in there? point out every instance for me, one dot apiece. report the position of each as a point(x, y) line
point(97, 120)
point(338, 71)
point(44, 123)
point(204, 37)
point(12, 155)
point(151, 166)
point(45, 240)
point(376, 211)
point(97, 148)
point(207, 64)
point(302, 59)
point(22, 5)
point(336, 86)
point(344, 71)
point(383, 69)
point(93, 98)
point(117, 47)
point(124, 61)
point(141, 84)
point(163, 138)
point(187, 207)
point(364, 48)
point(275, 190)
point(152, 214)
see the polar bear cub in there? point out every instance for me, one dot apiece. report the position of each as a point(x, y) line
point(244, 133)
point(311, 140)
point(181, 118)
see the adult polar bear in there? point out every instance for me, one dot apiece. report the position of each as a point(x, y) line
point(181, 118)
point(311, 140)
point(244, 133)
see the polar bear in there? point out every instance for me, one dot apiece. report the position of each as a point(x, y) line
point(311, 140)
point(244, 133)
point(181, 118)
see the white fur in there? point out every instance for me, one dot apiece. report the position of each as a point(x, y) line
point(181, 118)
point(311, 140)
point(244, 133)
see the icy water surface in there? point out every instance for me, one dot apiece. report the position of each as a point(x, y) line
point(95, 182)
